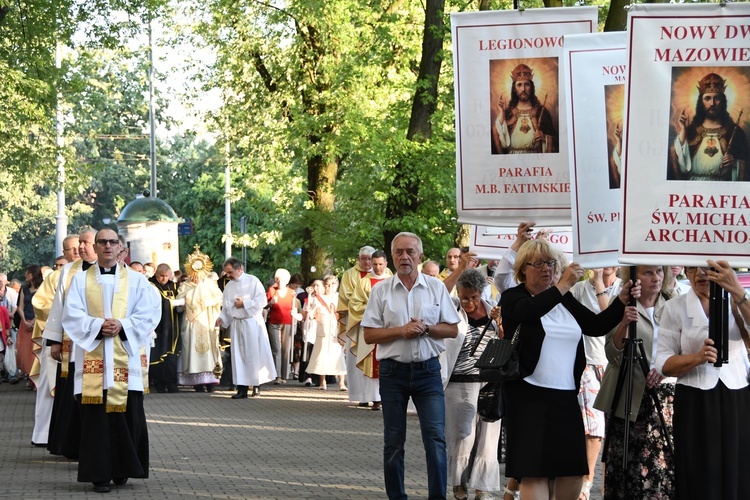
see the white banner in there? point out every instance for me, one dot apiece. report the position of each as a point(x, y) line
point(511, 145)
point(686, 196)
point(595, 70)
point(491, 243)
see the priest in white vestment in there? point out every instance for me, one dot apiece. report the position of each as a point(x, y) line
point(110, 312)
point(242, 313)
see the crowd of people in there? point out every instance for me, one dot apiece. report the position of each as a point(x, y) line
point(99, 333)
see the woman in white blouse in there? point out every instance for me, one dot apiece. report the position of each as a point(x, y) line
point(711, 404)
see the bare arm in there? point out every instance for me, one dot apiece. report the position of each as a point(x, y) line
point(450, 281)
point(680, 364)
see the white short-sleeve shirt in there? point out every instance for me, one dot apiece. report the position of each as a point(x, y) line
point(392, 305)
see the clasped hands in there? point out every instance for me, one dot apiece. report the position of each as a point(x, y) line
point(111, 327)
point(413, 329)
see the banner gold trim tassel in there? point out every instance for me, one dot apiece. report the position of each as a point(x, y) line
point(93, 364)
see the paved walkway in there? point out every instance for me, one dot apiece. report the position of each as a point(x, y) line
point(292, 442)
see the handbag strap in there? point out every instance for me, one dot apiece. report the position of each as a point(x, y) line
point(481, 335)
point(514, 340)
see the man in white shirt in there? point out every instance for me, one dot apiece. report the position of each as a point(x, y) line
point(408, 316)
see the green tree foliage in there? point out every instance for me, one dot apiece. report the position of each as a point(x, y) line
point(336, 122)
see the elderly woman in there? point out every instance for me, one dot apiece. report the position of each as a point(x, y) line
point(283, 312)
point(650, 471)
point(546, 448)
point(711, 404)
point(470, 465)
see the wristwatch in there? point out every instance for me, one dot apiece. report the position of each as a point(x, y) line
point(427, 330)
point(743, 299)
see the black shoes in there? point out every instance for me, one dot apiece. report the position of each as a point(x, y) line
point(200, 388)
point(377, 406)
point(241, 392)
point(119, 481)
point(102, 487)
point(256, 392)
point(209, 388)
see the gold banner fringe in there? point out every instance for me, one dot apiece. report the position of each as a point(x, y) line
point(92, 400)
point(116, 408)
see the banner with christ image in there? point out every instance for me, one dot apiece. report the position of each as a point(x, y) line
point(686, 185)
point(511, 142)
point(595, 70)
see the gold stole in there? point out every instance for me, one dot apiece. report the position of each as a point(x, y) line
point(93, 363)
point(66, 344)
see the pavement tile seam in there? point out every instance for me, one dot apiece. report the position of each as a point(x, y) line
point(292, 442)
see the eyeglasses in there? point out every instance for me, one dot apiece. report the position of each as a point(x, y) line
point(541, 263)
point(703, 270)
point(104, 242)
point(473, 300)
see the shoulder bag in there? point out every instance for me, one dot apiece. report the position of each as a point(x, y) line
point(499, 361)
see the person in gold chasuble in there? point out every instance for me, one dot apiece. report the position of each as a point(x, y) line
point(109, 314)
point(711, 146)
point(524, 125)
point(200, 361)
point(365, 353)
point(43, 371)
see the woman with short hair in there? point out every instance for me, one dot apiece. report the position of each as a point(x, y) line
point(546, 446)
point(470, 441)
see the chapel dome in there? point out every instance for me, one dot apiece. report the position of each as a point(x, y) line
point(147, 209)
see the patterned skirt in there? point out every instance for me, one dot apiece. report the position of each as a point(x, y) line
point(650, 470)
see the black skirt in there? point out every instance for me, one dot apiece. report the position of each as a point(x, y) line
point(545, 432)
point(712, 442)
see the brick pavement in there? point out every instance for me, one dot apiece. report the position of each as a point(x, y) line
point(292, 442)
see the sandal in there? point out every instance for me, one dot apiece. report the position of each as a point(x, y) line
point(460, 493)
point(515, 495)
point(585, 490)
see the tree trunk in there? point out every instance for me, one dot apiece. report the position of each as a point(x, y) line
point(403, 199)
point(321, 180)
point(617, 18)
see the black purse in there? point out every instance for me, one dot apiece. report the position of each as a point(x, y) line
point(490, 403)
point(499, 361)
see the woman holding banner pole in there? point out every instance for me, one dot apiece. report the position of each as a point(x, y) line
point(546, 447)
point(711, 404)
point(650, 470)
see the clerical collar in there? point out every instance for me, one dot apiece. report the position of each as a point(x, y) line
point(107, 270)
point(86, 265)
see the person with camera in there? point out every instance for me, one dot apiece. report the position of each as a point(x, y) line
point(650, 470)
point(546, 447)
point(711, 404)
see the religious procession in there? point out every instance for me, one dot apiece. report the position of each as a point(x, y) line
point(585, 335)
